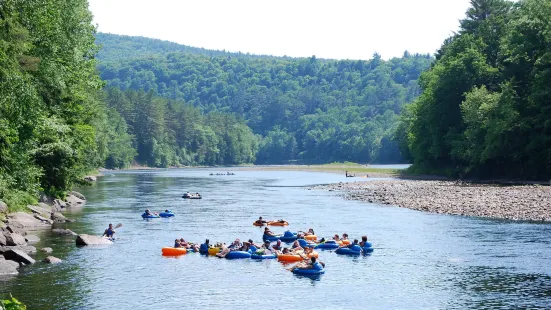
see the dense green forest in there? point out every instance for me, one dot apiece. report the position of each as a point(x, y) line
point(306, 109)
point(485, 109)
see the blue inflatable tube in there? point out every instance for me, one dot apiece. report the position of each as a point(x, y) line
point(367, 249)
point(270, 238)
point(318, 269)
point(151, 216)
point(165, 214)
point(328, 245)
point(355, 250)
point(288, 237)
point(256, 256)
point(238, 254)
point(304, 243)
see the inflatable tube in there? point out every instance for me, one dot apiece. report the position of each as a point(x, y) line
point(214, 251)
point(257, 256)
point(329, 245)
point(238, 255)
point(166, 214)
point(305, 244)
point(173, 251)
point(271, 238)
point(258, 224)
point(367, 249)
point(192, 197)
point(311, 237)
point(316, 270)
point(289, 258)
point(354, 250)
point(313, 254)
point(288, 237)
point(346, 242)
point(151, 216)
point(277, 223)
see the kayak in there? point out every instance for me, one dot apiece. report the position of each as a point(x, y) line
point(173, 251)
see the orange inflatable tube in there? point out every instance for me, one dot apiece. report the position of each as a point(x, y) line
point(277, 223)
point(258, 224)
point(345, 242)
point(173, 251)
point(289, 258)
point(311, 237)
point(313, 254)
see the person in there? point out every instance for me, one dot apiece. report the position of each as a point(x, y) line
point(268, 249)
point(168, 211)
point(224, 251)
point(177, 243)
point(204, 248)
point(147, 212)
point(364, 242)
point(350, 245)
point(312, 264)
point(109, 232)
point(197, 194)
point(344, 236)
point(296, 246)
point(277, 246)
point(310, 232)
point(235, 245)
point(260, 221)
point(251, 243)
point(183, 243)
point(336, 238)
point(187, 195)
point(268, 232)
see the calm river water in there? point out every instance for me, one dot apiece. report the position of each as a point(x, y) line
point(421, 261)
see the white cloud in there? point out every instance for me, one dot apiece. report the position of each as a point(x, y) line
point(352, 29)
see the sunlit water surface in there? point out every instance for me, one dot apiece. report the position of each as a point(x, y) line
point(421, 261)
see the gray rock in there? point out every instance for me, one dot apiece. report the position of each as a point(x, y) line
point(46, 250)
point(14, 239)
point(39, 211)
point(45, 207)
point(3, 207)
point(74, 201)
point(52, 260)
point(43, 219)
point(16, 230)
point(63, 232)
point(58, 217)
point(7, 268)
point(32, 238)
point(28, 249)
point(59, 203)
point(3, 240)
point(24, 220)
point(78, 195)
point(90, 178)
point(19, 256)
point(14, 264)
point(91, 240)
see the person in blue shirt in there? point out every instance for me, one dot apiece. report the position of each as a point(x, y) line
point(109, 232)
point(204, 248)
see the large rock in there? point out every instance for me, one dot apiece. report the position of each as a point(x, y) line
point(31, 238)
point(19, 256)
point(46, 250)
point(52, 260)
point(58, 217)
point(7, 268)
point(90, 178)
point(74, 201)
point(28, 249)
point(58, 205)
point(3, 207)
point(44, 206)
point(14, 239)
point(43, 219)
point(3, 240)
point(78, 195)
point(63, 232)
point(24, 220)
point(40, 211)
point(92, 240)
point(14, 264)
point(13, 229)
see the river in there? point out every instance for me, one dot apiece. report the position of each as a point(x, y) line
point(421, 261)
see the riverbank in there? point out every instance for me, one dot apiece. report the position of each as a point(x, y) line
point(520, 203)
point(352, 170)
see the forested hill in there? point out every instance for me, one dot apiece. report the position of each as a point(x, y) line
point(302, 108)
point(485, 110)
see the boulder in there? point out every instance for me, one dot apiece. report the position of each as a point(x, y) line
point(52, 260)
point(28, 249)
point(63, 232)
point(7, 268)
point(22, 220)
point(32, 238)
point(39, 211)
point(12, 229)
point(59, 204)
point(3, 207)
point(92, 240)
point(58, 217)
point(90, 178)
point(14, 264)
point(44, 206)
point(74, 201)
point(46, 250)
point(78, 195)
point(19, 256)
point(14, 239)
point(43, 219)
point(3, 240)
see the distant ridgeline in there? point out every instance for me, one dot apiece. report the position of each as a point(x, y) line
point(485, 110)
point(306, 109)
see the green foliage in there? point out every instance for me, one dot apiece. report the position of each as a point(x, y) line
point(486, 102)
point(12, 304)
point(305, 109)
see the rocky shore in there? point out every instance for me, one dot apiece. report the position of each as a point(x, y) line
point(17, 231)
point(524, 202)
